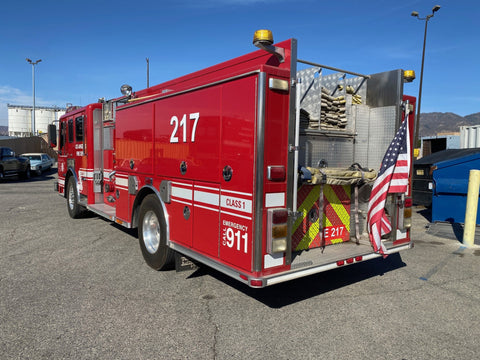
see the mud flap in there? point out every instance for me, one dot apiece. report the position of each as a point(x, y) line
point(182, 263)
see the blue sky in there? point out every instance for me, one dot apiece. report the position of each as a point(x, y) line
point(90, 48)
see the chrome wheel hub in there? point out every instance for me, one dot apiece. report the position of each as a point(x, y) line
point(151, 232)
point(71, 198)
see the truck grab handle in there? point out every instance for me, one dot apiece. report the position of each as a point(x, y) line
point(332, 68)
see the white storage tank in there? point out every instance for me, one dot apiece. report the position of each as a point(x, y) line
point(469, 137)
point(20, 119)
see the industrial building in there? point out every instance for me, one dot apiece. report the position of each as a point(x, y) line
point(433, 144)
point(20, 119)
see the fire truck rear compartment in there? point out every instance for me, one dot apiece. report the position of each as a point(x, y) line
point(344, 120)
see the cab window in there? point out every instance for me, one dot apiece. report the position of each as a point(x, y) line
point(79, 128)
point(63, 135)
point(70, 130)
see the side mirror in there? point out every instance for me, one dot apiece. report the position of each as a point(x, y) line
point(52, 135)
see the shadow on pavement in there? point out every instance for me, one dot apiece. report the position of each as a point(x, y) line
point(278, 296)
point(426, 212)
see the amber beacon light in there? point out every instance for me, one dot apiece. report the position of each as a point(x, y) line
point(409, 75)
point(263, 39)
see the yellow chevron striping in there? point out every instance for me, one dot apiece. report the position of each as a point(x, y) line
point(308, 237)
point(332, 199)
point(305, 207)
point(337, 205)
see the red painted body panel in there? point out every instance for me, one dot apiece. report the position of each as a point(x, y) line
point(134, 140)
point(181, 227)
point(201, 152)
point(78, 151)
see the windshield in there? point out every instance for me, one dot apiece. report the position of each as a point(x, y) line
point(33, 157)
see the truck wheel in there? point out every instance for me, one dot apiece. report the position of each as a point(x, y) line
point(75, 210)
point(2, 175)
point(26, 174)
point(152, 235)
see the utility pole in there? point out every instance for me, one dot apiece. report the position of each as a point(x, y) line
point(148, 72)
point(33, 90)
point(428, 17)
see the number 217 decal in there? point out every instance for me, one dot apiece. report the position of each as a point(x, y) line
point(180, 127)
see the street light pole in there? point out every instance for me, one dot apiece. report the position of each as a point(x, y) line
point(148, 72)
point(428, 17)
point(33, 91)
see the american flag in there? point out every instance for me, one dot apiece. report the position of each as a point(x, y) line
point(392, 178)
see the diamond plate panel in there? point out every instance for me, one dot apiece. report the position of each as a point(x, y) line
point(337, 151)
point(309, 90)
point(361, 116)
point(381, 132)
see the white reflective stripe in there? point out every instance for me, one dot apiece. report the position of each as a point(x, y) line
point(270, 261)
point(207, 208)
point(181, 184)
point(87, 173)
point(206, 197)
point(182, 202)
point(236, 192)
point(206, 188)
point(401, 234)
point(106, 173)
point(182, 193)
point(275, 200)
point(237, 215)
point(119, 181)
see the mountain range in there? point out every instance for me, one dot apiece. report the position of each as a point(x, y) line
point(431, 124)
point(435, 123)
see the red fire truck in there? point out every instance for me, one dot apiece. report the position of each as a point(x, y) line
point(260, 167)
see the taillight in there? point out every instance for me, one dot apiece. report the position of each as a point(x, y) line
point(349, 261)
point(256, 283)
point(279, 216)
point(277, 228)
point(276, 173)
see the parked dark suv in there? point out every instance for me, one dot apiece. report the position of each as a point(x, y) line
point(11, 165)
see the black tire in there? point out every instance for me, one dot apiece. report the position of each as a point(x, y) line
point(26, 174)
point(75, 210)
point(2, 174)
point(152, 235)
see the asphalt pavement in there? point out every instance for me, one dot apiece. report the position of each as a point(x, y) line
point(79, 289)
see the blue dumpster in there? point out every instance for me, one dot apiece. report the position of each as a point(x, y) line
point(450, 187)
